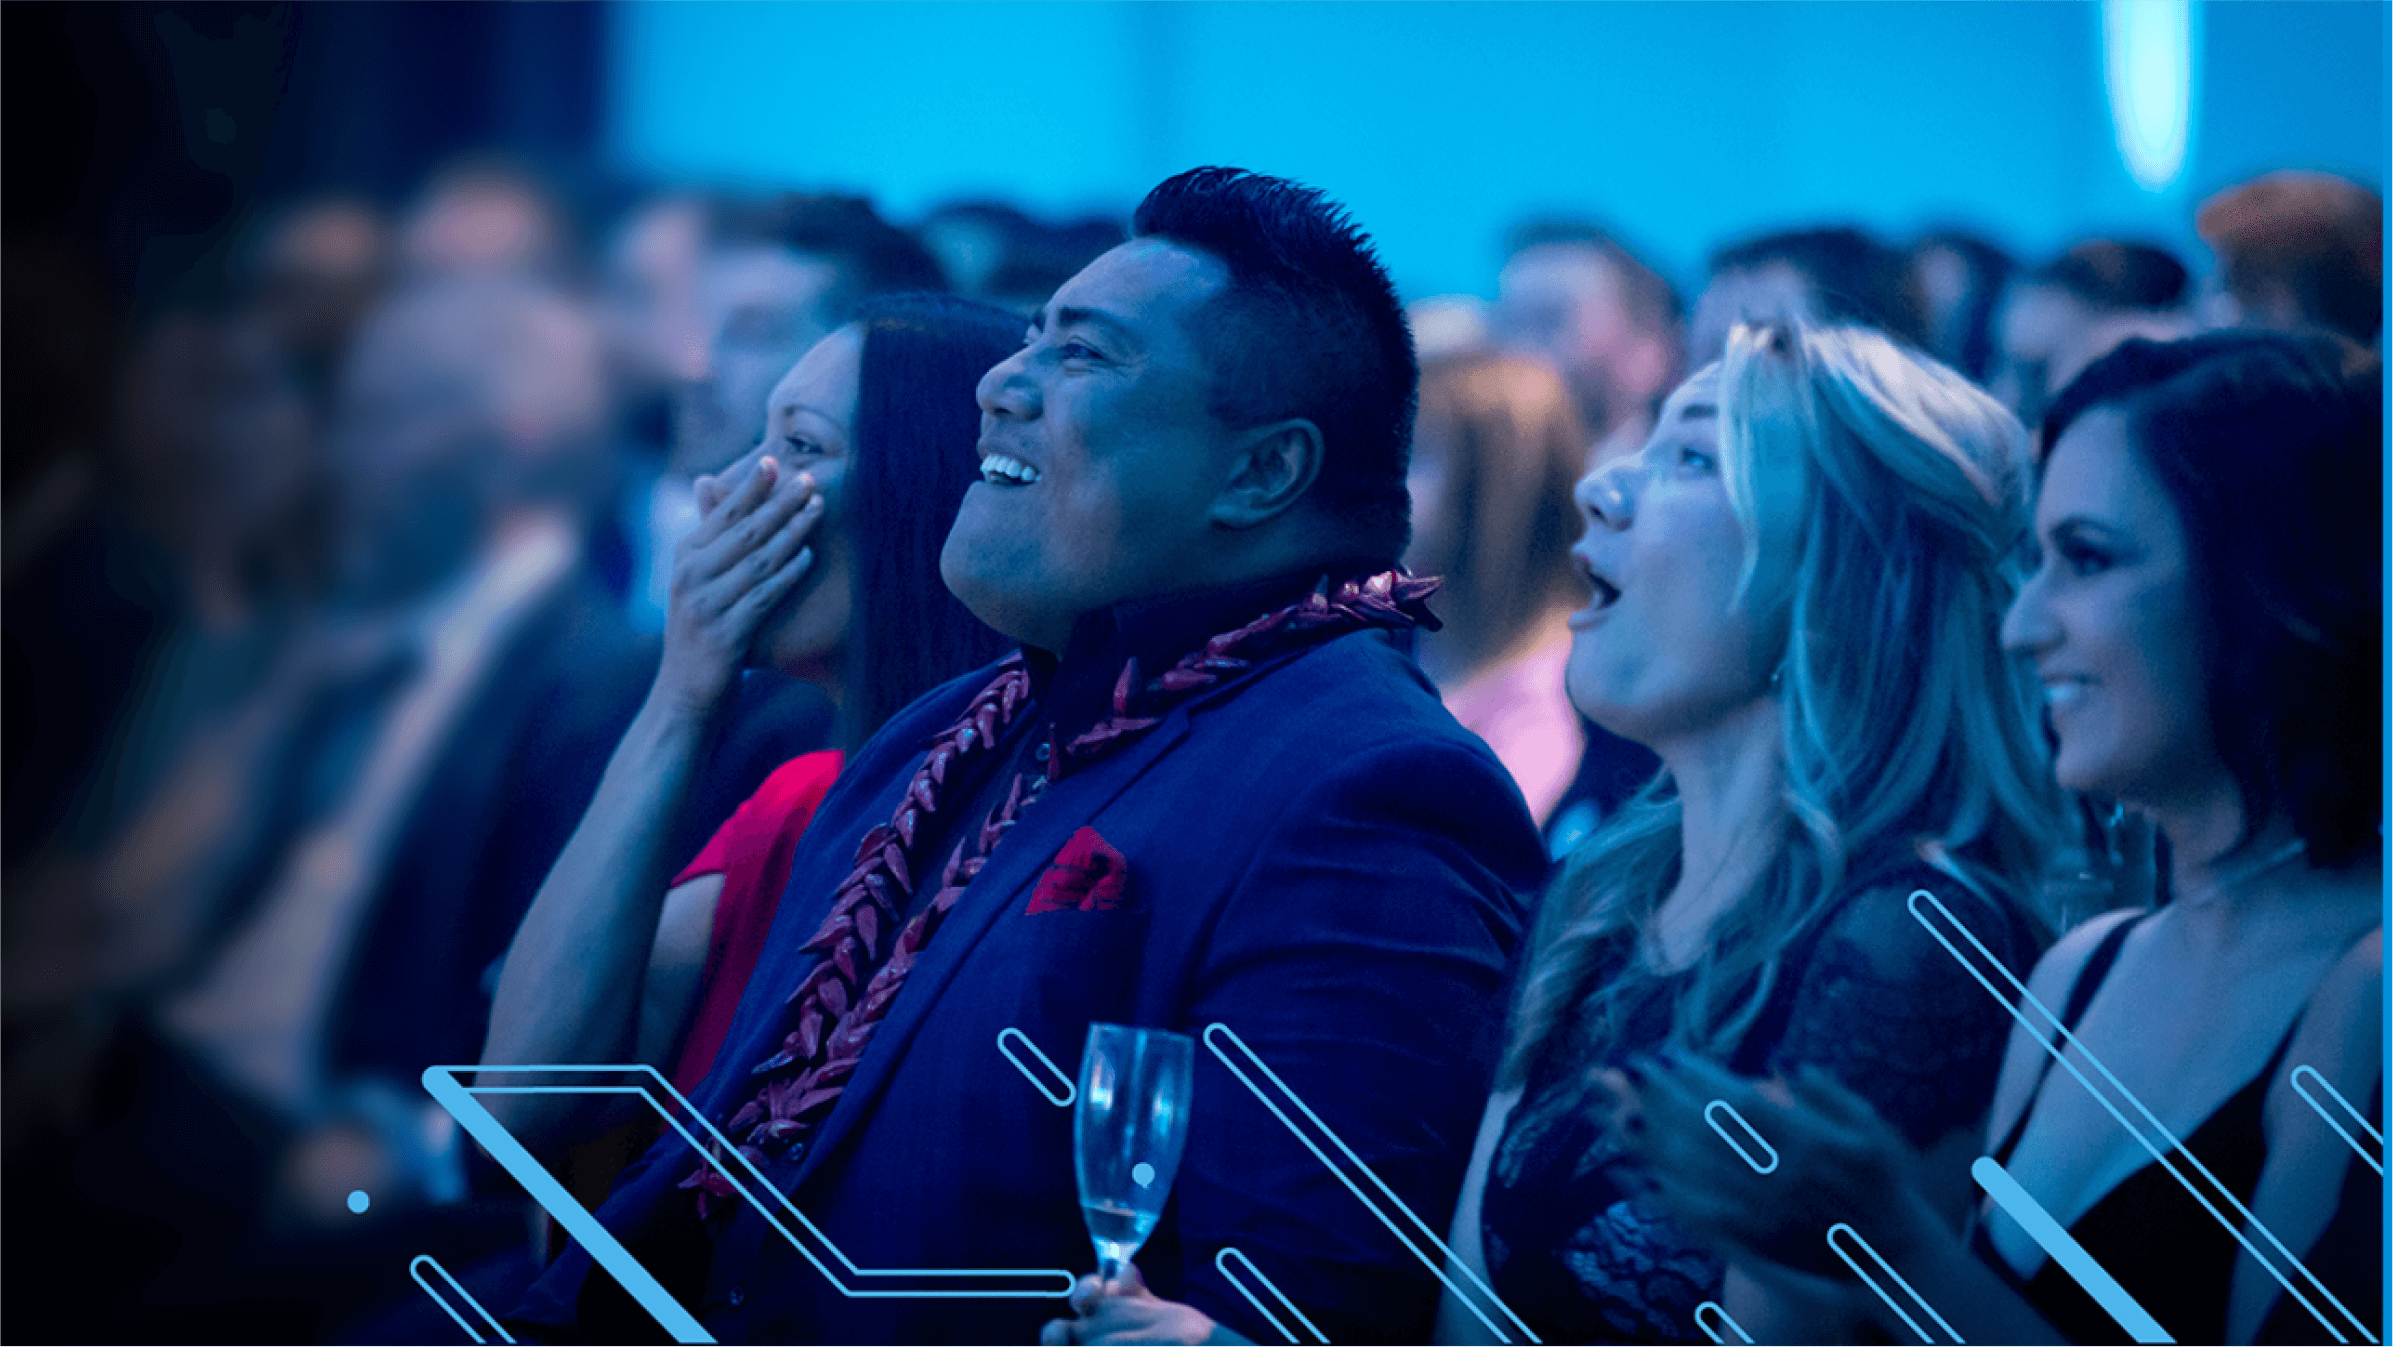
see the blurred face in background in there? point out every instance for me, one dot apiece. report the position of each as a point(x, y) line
point(1943, 277)
point(261, 428)
point(1746, 294)
point(1566, 303)
point(970, 245)
point(459, 403)
point(761, 308)
point(2111, 620)
point(1667, 648)
point(2047, 336)
point(655, 334)
point(162, 452)
point(2039, 339)
point(551, 401)
point(414, 455)
point(1495, 452)
point(483, 224)
point(215, 439)
point(810, 426)
point(318, 273)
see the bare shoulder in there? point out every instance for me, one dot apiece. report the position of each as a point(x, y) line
point(2345, 1017)
point(2360, 973)
point(2332, 1069)
point(2058, 970)
point(2024, 1061)
point(2341, 1030)
point(2338, 1042)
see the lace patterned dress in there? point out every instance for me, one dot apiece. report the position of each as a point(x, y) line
point(1574, 1242)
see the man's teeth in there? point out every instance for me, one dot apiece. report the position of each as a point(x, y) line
point(1006, 470)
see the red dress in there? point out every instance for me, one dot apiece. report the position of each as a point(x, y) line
point(752, 852)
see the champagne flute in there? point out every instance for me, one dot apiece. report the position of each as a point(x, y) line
point(1127, 1133)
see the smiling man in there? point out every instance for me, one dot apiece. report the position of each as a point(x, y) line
point(1211, 789)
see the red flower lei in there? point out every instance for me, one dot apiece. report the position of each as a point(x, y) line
point(842, 1001)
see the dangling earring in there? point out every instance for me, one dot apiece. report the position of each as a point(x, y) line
point(1777, 677)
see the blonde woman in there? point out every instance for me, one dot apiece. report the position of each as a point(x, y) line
point(1797, 585)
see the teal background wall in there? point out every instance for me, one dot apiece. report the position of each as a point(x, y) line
point(1684, 124)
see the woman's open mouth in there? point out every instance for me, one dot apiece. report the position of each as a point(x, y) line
point(1606, 594)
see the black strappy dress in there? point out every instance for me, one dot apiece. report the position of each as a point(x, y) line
point(2160, 1244)
point(1576, 1244)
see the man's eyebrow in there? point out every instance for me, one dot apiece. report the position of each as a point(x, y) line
point(1075, 316)
point(1698, 410)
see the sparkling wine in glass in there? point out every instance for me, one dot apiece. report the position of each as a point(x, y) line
point(1127, 1132)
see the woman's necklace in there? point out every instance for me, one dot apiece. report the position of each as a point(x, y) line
point(2238, 876)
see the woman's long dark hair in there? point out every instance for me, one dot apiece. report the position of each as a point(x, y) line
point(2271, 448)
point(916, 424)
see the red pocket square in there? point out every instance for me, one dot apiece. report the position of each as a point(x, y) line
point(1088, 875)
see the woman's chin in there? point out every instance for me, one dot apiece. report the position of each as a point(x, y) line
point(800, 636)
point(1606, 714)
point(806, 661)
point(2077, 775)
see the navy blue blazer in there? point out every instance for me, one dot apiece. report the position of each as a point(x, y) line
point(1318, 857)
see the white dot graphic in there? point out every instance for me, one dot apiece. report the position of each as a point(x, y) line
point(1143, 1173)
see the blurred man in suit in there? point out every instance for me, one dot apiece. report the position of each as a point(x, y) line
point(307, 912)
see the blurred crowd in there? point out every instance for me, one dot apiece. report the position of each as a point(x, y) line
point(334, 575)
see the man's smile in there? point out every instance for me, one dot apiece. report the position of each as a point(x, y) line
point(1006, 470)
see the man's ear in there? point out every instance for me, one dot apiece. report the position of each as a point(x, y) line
point(1272, 468)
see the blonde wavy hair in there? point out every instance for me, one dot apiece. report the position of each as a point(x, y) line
point(1883, 500)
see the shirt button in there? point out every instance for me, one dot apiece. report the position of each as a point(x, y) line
point(738, 1296)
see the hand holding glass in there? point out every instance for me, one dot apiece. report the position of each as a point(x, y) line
point(1127, 1133)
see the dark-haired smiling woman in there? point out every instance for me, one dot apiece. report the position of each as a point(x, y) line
point(817, 554)
point(2207, 621)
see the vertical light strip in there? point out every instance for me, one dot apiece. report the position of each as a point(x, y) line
point(2148, 65)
